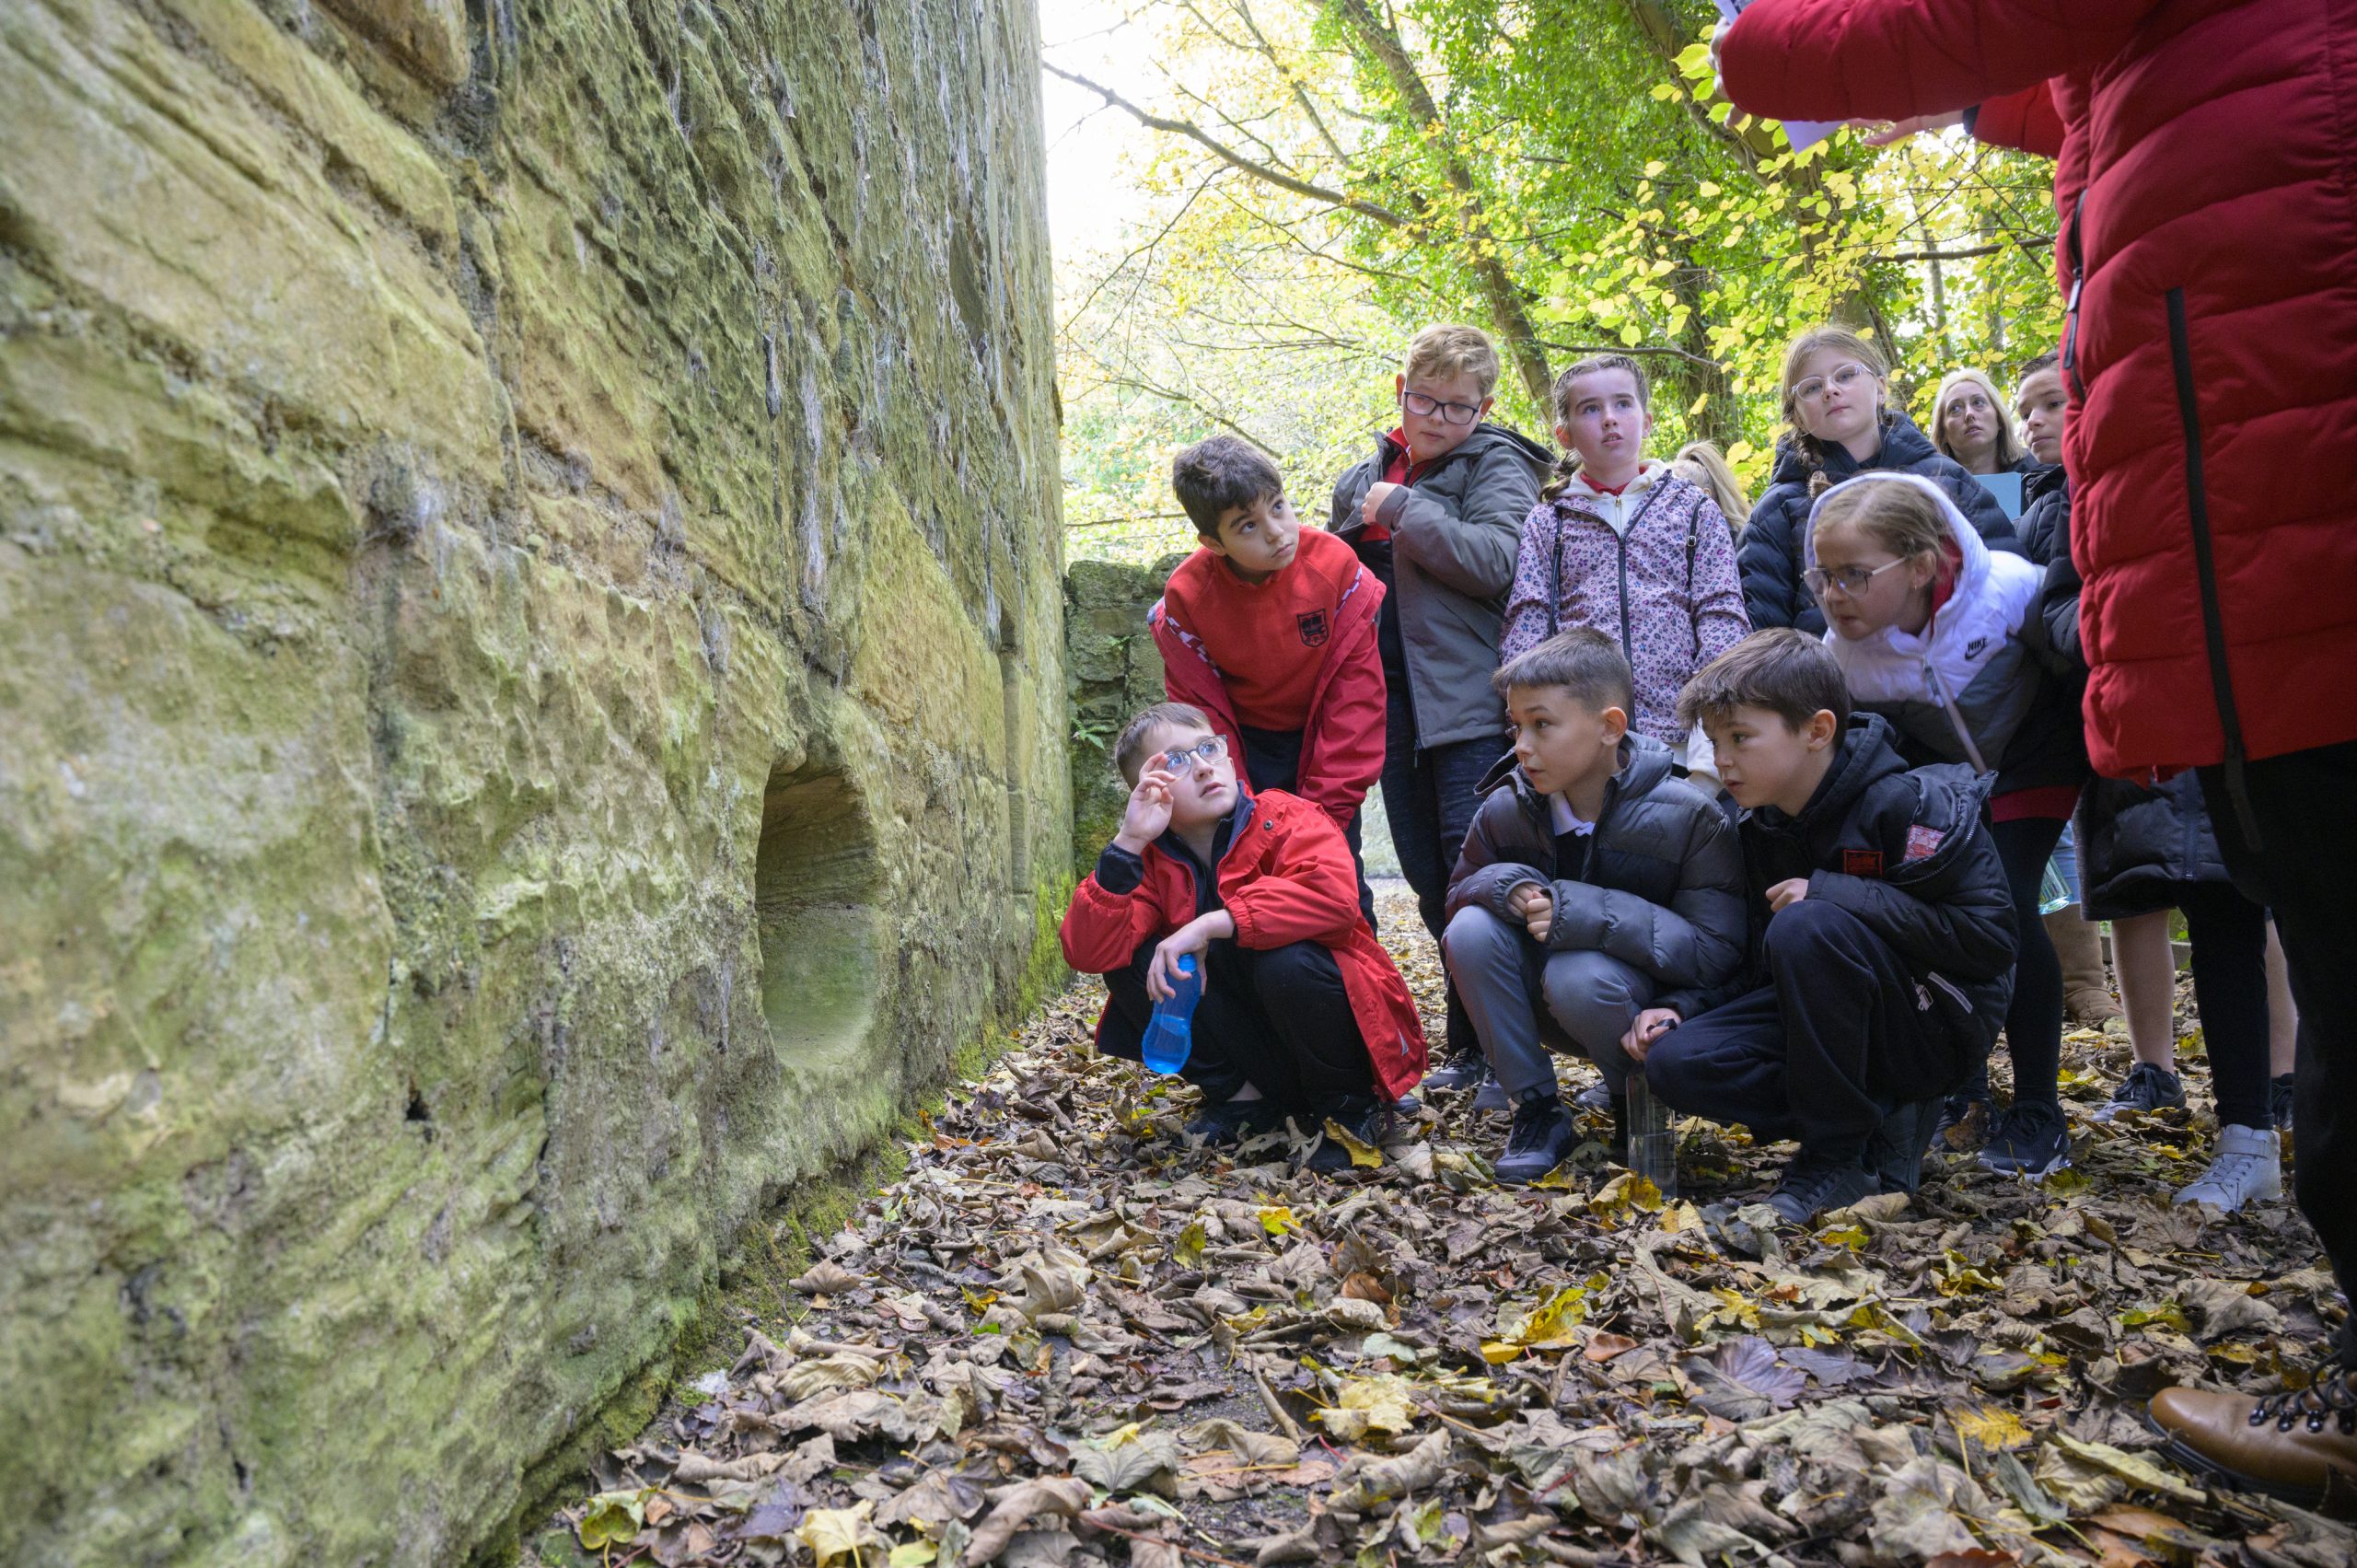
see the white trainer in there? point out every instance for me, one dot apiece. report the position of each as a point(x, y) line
point(2247, 1166)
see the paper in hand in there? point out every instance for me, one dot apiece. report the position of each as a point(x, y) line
point(1803, 134)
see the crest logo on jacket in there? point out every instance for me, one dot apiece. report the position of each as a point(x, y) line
point(1312, 628)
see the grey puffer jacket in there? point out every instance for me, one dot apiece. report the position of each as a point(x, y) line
point(1660, 883)
point(1447, 566)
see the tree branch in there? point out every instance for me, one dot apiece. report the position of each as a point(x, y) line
point(1229, 156)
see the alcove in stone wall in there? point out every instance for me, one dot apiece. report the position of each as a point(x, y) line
point(815, 879)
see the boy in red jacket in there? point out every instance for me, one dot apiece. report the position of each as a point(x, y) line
point(1269, 629)
point(1303, 1014)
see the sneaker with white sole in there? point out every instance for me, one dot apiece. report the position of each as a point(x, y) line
point(2249, 1166)
point(2147, 1089)
point(2029, 1139)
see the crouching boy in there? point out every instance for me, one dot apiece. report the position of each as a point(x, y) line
point(1884, 951)
point(1303, 1015)
point(1593, 886)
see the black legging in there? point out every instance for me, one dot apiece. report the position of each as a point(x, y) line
point(2033, 1022)
point(2228, 935)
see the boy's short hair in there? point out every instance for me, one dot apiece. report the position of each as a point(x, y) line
point(1215, 476)
point(1782, 670)
point(1582, 661)
point(2046, 361)
point(1129, 752)
point(1447, 352)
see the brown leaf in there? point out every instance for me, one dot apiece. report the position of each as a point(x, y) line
point(1014, 1506)
point(826, 1277)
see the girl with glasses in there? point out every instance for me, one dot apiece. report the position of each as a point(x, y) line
point(1839, 423)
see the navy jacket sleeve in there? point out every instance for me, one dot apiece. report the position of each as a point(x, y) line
point(1770, 588)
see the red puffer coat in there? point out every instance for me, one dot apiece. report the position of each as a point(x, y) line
point(1287, 876)
point(2207, 184)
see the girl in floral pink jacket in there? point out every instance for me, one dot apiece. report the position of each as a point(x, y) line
point(1624, 545)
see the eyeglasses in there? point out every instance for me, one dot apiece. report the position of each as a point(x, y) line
point(1210, 750)
point(1813, 390)
point(1850, 581)
point(1425, 408)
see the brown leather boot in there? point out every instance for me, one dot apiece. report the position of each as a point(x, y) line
point(2292, 1446)
point(2087, 985)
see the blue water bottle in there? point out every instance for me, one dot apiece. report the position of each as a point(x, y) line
point(1170, 1033)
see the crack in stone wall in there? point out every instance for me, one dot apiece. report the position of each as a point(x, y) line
point(528, 570)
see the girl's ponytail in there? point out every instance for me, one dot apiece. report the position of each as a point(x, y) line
point(1565, 468)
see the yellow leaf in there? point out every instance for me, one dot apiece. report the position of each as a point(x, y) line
point(1277, 1220)
point(1995, 1427)
point(611, 1519)
point(1655, 168)
point(914, 1554)
point(1547, 1327)
point(1188, 1250)
point(835, 1533)
point(1365, 1157)
point(1378, 1403)
point(1625, 1191)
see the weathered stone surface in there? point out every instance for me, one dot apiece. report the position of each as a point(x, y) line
point(531, 709)
point(1111, 669)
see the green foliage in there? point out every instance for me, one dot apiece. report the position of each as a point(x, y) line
point(1332, 174)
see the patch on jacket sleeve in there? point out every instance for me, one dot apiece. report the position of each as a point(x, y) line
point(1922, 843)
point(1861, 862)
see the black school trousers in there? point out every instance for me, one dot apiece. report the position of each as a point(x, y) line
point(1276, 1017)
point(2290, 838)
point(1839, 1037)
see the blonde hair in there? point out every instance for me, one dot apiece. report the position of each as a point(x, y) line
point(2009, 443)
point(1448, 351)
point(1817, 340)
point(1559, 398)
point(1903, 517)
point(1703, 465)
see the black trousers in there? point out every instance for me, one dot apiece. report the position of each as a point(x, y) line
point(1430, 795)
point(2297, 854)
point(1272, 760)
point(1278, 1018)
point(1839, 1038)
point(2228, 935)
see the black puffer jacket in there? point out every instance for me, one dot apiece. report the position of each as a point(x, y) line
point(1774, 539)
point(1661, 888)
point(2139, 847)
point(1446, 570)
point(1904, 851)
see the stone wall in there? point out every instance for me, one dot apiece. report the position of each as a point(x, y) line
point(531, 709)
point(1112, 670)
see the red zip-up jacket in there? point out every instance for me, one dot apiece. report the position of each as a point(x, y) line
point(1287, 876)
point(1336, 600)
point(2208, 247)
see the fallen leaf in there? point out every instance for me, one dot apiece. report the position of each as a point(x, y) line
point(833, 1533)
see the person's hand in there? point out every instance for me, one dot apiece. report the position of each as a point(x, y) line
point(1147, 816)
point(1537, 913)
point(1525, 897)
point(1787, 893)
point(1162, 974)
point(1718, 82)
point(1882, 133)
point(1375, 496)
point(1648, 1027)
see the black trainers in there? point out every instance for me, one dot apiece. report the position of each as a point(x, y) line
point(2147, 1089)
point(1232, 1121)
point(1815, 1183)
point(1459, 1070)
point(1540, 1140)
point(1597, 1097)
point(1895, 1152)
point(2278, 1102)
point(1490, 1094)
point(2029, 1139)
point(1363, 1117)
point(1965, 1119)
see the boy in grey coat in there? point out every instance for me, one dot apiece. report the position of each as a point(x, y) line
point(1592, 886)
point(1436, 514)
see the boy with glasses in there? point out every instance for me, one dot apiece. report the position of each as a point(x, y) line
point(1303, 1016)
point(1436, 514)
